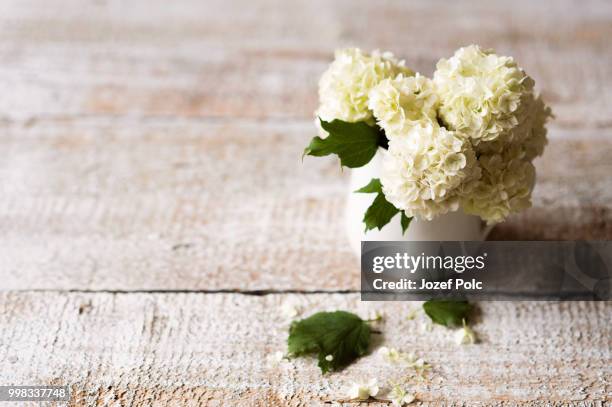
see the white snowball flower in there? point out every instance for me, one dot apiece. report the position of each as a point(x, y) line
point(275, 358)
point(504, 187)
point(391, 354)
point(508, 175)
point(412, 314)
point(344, 87)
point(481, 93)
point(375, 316)
point(464, 139)
point(465, 336)
point(529, 134)
point(424, 169)
point(400, 397)
point(427, 326)
point(419, 363)
point(290, 309)
point(363, 391)
point(536, 138)
point(402, 102)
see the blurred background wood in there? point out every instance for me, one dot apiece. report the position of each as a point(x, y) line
point(155, 146)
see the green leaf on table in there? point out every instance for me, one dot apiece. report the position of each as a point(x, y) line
point(405, 222)
point(337, 337)
point(354, 143)
point(447, 313)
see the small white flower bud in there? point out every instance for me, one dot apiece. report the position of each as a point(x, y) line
point(465, 336)
point(363, 391)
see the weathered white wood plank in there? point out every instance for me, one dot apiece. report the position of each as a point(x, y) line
point(228, 58)
point(97, 194)
point(170, 205)
point(211, 349)
point(222, 204)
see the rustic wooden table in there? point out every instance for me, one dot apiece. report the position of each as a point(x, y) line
point(155, 214)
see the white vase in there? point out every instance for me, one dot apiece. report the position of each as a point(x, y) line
point(453, 226)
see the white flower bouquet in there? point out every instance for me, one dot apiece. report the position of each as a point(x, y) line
point(465, 139)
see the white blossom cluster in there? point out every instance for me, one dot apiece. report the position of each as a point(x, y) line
point(464, 139)
point(425, 167)
point(345, 86)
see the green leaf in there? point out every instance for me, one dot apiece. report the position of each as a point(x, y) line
point(447, 313)
point(405, 222)
point(373, 187)
point(354, 143)
point(341, 334)
point(379, 213)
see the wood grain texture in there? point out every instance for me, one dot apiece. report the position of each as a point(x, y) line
point(211, 349)
point(170, 205)
point(155, 146)
point(199, 204)
point(236, 59)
